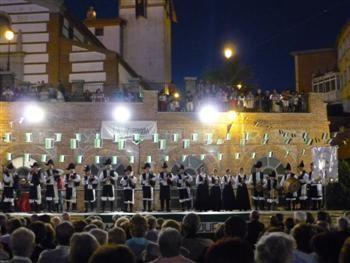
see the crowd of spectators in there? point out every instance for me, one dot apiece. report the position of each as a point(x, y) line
point(45, 92)
point(229, 98)
point(301, 239)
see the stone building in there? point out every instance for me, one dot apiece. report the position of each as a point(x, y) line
point(273, 138)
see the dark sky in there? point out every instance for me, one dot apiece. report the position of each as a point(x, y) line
point(265, 33)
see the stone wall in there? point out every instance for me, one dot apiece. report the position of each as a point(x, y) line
point(85, 118)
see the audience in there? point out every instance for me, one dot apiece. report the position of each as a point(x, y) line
point(170, 247)
point(62, 240)
point(195, 245)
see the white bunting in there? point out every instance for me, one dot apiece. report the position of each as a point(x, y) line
point(195, 137)
point(149, 159)
point(155, 138)
point(8, 137)
point(186, 143)
point(237, 156)
point(79, 159)
point(78, 137)
point(43, 158)
point(49, 143)
point(228, 137)
point(97, 159)
point(183, 157)
point(121, 144)
point(8, 156)
point(162, 144)
point(97, 143)
point(26, 157)
point(73, 144)
point(253, 155)
point(219, 156)
point(58, 137)
point(132, 159)
point(176, 137)
point(28, 137)
point(62, 158)
point(114, 160)
point(166, 158)
point(202, 157)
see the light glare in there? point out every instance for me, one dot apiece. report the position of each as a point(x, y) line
point(9, 35)
point(208, 114)
point(121, 114)
point(34, 114)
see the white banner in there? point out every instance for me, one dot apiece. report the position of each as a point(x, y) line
point(146, 129)
point(325, 160)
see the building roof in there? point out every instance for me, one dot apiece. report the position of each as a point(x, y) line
point(102, 22)
point(310, 51)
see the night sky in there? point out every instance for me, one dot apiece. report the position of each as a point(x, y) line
point(265, 33)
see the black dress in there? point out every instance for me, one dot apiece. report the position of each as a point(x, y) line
point(242, 193)
point(215, 193)
point(228, 196)
point(202, 197)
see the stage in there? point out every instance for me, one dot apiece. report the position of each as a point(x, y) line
point(208, 219)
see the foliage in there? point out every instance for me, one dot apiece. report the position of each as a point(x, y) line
point(231, 73)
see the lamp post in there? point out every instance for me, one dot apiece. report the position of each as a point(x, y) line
point(9, 35)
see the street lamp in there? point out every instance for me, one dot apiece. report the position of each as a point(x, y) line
point(9, 35)
point(228, 53)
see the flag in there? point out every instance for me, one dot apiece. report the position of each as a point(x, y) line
point(171, 12)
point(141, 8)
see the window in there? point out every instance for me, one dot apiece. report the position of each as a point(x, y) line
point(99, 31)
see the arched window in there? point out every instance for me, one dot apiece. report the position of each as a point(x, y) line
point(271, 164)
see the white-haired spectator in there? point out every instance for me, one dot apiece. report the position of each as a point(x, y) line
point(100, 235)
point(22, 244)
point(7, 94)
point(300, 217)
point(170, 245)
point(275, 247)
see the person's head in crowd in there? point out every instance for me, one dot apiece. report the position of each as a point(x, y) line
point(39, 230)
point(55, 221)
point(121, 220)
point(89, 227)
point(344, 256)
point(324, 225)
point(65, 217)
point(113, 254)
point(235, 227)
point(343, 223)
point(254, 215)
point(274, 222)
point(34, 218)
point(138, 226)
point(327, 247)
point(275, 248)
point(22, 242)
point(49, 241)
point(45, 218)
point(324, 216)
point(303, 233)
point(79, 225)
point(219, 231)
point(64, 232)
point(289, 224)
point(171, 223)
point(100, 235)
point(190, 225)
point(160, 222)
point(169, 242)
point(300, 217)
point(229, 250)
point(310, 219)
point(116, 236)
point(23, 221)
point(126, 227)
point(99, 223)
point(151, 222)
point(280, 218)
point(82, 246)
point(13, 224)
point(347, 215)
point(3, 222)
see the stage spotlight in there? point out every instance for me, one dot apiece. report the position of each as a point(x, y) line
point(34, 114)
point(208, 114)
point(121, 114)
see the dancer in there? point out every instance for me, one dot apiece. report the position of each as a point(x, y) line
point(108, 178)
point(128, 183)
point(165, 182)
point(148, 181)
point(90, 183)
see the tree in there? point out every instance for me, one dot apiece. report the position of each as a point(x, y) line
point(231, 73)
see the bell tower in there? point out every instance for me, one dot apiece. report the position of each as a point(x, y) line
point(146, 41)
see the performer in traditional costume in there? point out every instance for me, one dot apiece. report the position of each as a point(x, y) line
point(90, 183)
point(71, 182)
point(228, 196)
point(52, 181)
point(202, 196)
point(272, 191)
point(315, 189)
point(35, 179)
point(183, 181)
point(165, 182)
point(108, 177)
point(291, 197)
point(215, 191)
point(258, 180)
point(9, 174)
point(148, 181)
point(243, 200)
point(128, 183)
point(302, 193)
point(235, 182)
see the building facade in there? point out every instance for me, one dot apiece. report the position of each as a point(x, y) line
point(344, 65)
